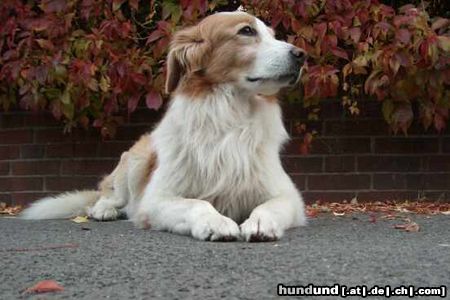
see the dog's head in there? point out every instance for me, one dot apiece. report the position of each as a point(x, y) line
point(232, 48)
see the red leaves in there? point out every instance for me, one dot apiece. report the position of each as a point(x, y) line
point(45, 286)
point(112, 59)
point(321, 81)
point(385, 47)
point(390, 210)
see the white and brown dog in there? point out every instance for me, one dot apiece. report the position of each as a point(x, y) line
point(213, 161)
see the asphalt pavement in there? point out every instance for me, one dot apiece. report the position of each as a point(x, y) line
point(114, 260)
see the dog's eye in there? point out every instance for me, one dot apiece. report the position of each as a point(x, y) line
point(247, 30)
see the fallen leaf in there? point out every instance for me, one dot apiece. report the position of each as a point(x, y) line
point(80, 219)
point(339, 214)
point(45, 286)
point(409, 227)
point(10, 210)
point(373, 218)
point(312, 213)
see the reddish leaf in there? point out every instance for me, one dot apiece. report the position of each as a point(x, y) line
point(403, 36)
point(153, 100)
point(440, 23)
point(133, 102)
point(339, 52)
point(155, 35)
point(355, 34)
point(45, 286)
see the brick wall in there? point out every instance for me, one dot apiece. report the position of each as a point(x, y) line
point(352, 157)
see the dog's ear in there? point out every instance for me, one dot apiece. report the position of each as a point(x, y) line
point(174, 72)
point(186, 55)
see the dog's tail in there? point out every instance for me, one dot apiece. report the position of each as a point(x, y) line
point(62, 206)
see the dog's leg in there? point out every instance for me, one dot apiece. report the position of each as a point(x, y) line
point(269, 220)
point(188, 217)
point(114, 193)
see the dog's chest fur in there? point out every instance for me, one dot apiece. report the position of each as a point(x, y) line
point(219, 149)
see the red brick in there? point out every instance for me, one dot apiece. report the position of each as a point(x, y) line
point(406, 145)
point(344, 164)
point(146, 116)
point(25, 198)
point(19, 136)
point(437, 163)
point(331, 146)
point(446, 145)
point(293, 111)
point(8, 184)
point(36, 167)
point(443, 196)
point(302, 164)
point(70, 183)
point(131, 133)
point(51, 135)
point(113, 149)
point(11, 120)
point(389, 163)
point(311, 197)
point(59, 150)
point(428, 181)
point(355, 127)
point(389, 181)
point(6, 198)
point(4, 167)
point(85, 150)
point(88, 167)
point(9, 152)
point(32, 151)
point(368, 196)
point(300, 181)
point(86, 136)
point(41, 119)
point(340, 145)
point(338, 182)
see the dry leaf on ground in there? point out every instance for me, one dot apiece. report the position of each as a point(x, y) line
point(45, 286)
point(80, 219)
point(10, 210)
point(409, 227)
point(391, 209)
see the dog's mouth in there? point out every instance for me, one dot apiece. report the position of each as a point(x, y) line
point(290, 78)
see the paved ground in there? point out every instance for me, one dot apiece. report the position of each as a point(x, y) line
point(116, 261)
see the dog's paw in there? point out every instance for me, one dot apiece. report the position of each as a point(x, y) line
point(103, 212)
point(142, 220)
point(261, 228)
point(216, 228)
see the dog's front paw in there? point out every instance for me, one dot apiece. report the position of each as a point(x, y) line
point(261, 228)
point(103, 211)
point(216, 228)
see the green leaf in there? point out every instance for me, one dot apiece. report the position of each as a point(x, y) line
point(68, 110)
point(65, 98)
point(388, 109)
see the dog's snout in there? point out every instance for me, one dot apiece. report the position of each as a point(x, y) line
point(298, 54)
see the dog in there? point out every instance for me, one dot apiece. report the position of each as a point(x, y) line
point(211, 167)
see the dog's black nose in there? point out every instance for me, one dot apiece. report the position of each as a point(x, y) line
point(298, 54)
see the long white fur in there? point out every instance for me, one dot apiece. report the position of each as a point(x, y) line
point(63, 206)
point(218, 165)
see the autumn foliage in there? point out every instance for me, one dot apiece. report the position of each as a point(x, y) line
point(86, 60)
